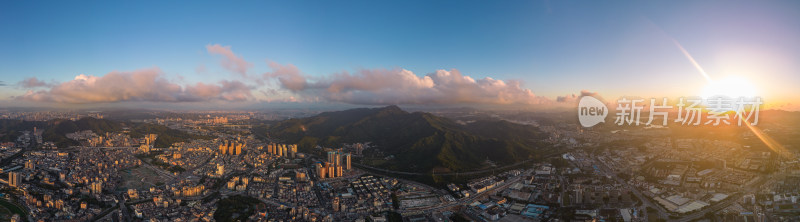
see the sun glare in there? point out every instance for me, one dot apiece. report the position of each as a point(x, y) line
point(732, 87)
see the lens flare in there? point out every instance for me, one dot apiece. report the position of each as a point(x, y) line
point(732, 87)
point(736, 87)
point(771, 143)
point(691, 59)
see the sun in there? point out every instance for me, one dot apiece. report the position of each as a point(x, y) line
point(732, 87)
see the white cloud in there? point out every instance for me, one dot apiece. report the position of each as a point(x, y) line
point(139, 85)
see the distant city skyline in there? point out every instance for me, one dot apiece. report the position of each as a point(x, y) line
point(456, 53)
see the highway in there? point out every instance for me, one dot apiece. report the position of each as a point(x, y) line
point(503, 168)
point(31, 145)
point(442, 174)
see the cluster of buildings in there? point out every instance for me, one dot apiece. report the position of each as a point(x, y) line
point(281, 150)
point(47, 115)
point(111, 139)
point(335, 166)
point(61, 185)
point(231, 147)
point(114, 176)
point(357, 148)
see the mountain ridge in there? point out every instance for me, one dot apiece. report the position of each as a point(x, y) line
point(418, 140)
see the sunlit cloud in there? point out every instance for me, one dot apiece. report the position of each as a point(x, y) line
point(400, 86)
point(225, 90)
point(288, 76)
point(139, 85)
point(230, 60)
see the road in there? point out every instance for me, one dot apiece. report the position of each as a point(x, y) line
point(31, 145)
point(443, 174)
point(459, 173)
point(123, 209)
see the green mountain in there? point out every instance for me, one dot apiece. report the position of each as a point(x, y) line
point(10, 129)
point(419, 141)
point(166, 136)
point(57, 133)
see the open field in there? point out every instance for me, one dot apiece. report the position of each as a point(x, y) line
point(140, 178)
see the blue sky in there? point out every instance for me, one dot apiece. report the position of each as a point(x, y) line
point(553, 47)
